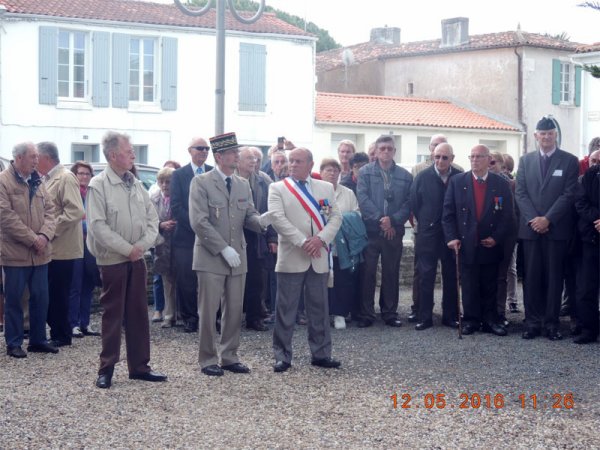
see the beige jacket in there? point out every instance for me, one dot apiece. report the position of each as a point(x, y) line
point(118, 218)
point(22, 219)
point(293, 225)
point(63, 188)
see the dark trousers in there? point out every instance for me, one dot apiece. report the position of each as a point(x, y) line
point(479, 289)
point(125, 305)
point(254, 286)
point(187, 284)
point(391, 254)
point(543, 282)
point(80, 295)
point(587, 289)
point(290, 286)
point(60, 274)
point(15, 280)
point(428, 256)
point(344, 295)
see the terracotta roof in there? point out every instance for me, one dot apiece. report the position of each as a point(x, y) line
point(144, 12)
point(589, 48)
point(369, 50)
point(377, 110)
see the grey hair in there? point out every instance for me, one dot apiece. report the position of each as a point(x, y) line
point(49, 149)
point(21, 149)
point(111, 141)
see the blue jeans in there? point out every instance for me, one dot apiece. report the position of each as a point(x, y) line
point(80, 295)
point(159, 292)
point(15, 280)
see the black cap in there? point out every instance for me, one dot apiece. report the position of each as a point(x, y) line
point(545, 124)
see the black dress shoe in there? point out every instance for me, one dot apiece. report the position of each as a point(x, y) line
point(393, 323)
point(530, 334)
point(327, 363)
point(468, 329)
point(424, 325)
point(237, 367)
point(281, 366)
point(212, 371)
point(257, 325)
point(576, 330)
point(494, 328)
point(412, 317)
point(503, 321)
point(148, 376)
point(59, 343)
point(450, 323)
point(104, 381)
point(88, 331)
point(554, 335)
point(364, 323)
point(16, 352)
point(44, 347)
point(190, 327)
point(585, 338)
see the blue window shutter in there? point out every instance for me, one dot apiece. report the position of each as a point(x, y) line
point(120, 70)
point(252, 94)
point(577, 85)
point(101, 69)
point(555, 82)
point(48, 70)
point(168, 97)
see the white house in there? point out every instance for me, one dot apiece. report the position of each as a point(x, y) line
point(590, 95)
point(71, 70)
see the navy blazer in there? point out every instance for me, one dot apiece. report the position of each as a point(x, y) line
point(183, 236)
point(459, 218)
point(552, 197)
point(427, 199)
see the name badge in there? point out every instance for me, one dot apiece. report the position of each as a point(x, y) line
point(557, 173)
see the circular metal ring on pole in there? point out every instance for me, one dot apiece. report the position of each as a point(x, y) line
point(193, 12)
point(244, 20)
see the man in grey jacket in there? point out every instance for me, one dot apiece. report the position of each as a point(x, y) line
point(122, 225)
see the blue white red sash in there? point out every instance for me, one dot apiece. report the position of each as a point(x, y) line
point(308, 202)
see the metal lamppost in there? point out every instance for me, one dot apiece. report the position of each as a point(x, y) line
point(187, 7)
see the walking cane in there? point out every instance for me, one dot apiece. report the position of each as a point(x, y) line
point(458, 293)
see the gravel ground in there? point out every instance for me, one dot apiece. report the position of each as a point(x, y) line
point(51, 401)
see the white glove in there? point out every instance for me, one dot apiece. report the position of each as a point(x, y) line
point(231, 256)
point(265, 219)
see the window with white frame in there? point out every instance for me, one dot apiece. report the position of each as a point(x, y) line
point(423, 151)
point(142, 69)
point(566, 82)
point(72, 64)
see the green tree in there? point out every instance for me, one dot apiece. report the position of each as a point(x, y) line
point(324, 42)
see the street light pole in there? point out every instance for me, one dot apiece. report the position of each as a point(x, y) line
point(186, 8)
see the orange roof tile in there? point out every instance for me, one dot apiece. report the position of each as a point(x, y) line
point(366, 51)
point(132, 11)
point(378, 110)
point(589, 48)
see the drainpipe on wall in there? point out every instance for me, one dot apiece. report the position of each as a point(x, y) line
point(519, 53)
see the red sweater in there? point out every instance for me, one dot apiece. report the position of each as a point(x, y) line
point(479, 196)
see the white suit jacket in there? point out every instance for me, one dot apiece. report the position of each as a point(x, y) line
point(293, 225)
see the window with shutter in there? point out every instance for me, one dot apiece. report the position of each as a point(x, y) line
point(252, 92)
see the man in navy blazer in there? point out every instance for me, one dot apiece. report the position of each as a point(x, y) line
point(184, 236)
point(545, 194)
point(476, 219)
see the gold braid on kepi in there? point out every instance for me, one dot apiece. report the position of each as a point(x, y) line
point(223, 142)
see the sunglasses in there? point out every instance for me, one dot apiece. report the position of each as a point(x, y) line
point(594, 161)
point(492, 163)
point(443, 157)
point(201, 148)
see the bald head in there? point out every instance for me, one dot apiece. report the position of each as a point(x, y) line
point(595, 158)
point(443, 155)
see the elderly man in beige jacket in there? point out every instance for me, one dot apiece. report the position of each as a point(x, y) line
point(122, 225)
point(67, 245)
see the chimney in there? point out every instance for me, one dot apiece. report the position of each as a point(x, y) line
point(385, 35)
point(455, 32)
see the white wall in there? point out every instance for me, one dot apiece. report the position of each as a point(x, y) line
point(461, 140)
point(290, 84)
point(590, 102)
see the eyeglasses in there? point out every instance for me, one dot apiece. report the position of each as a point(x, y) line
point(478, 156)
point(84, 174)
point(201, 148)
point(492, 163)
point(443, 157)
point(594, 161)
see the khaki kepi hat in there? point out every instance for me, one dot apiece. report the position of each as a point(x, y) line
point(223, 142)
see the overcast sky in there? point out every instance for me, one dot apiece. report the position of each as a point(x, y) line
point(350, 22)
